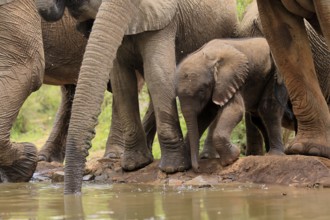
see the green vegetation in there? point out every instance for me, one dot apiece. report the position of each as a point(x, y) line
point(36, 117)
point(241, 5)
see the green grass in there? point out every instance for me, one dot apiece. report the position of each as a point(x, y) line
point(36, 117)
point(241, 5)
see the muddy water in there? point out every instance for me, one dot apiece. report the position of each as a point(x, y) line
point(45, 201)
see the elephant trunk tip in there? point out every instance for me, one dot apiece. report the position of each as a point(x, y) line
point(48, 16)
point(51, 11)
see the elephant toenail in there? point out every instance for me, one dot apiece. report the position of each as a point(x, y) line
point(181, 168)
point(170, 170)
point(131, 167)
point(315, 151)
point(111, 155)
point(42, 158)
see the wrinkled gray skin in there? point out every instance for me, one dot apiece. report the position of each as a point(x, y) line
point(64, 48)
point(284, 29)
point(250, 26)
point(21, 73)
point(219, 80)
point(158, 36)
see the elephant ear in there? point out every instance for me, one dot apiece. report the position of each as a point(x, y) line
point(2, 2)
point(230, 73)
point(153, 15)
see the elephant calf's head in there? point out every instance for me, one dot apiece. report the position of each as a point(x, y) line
point(216, 72)
point(195, 80)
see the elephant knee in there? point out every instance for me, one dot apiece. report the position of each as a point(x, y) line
point(166, 136)
point(37, 77)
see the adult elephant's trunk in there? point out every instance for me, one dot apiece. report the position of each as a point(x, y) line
point(323, 13)
point(109, 27)
point(51, 10)
point(190, 117)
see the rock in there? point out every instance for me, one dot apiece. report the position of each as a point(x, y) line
point(203, 181)
point(39, 177)
point(88, 177)
point(101, 178)
point(58, 176)
point(175, 182)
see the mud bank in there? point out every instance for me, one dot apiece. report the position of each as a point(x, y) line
point(302, 171)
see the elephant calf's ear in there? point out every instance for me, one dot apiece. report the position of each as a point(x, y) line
point(230, 74)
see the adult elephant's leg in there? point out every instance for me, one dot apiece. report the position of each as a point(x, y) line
point(254, 139)
point(158, 52)
point(54, 148)
point(115, 143)
point(271, 113)
point(288, 41)
point(149, 124)
point(125, 98)
point(21, 73)
point(258, 123)
point(323, 13)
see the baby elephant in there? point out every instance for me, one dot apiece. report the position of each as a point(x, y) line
point(221, 81)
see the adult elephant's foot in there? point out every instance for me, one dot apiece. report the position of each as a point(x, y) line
point(275, 152)
point(228, 154)
point(209, 152)
point(20, 163)
point(52, 152)
point(254, 150)
point(114, 152)
point(174, 159)
point(311, 144)
point(134, 159)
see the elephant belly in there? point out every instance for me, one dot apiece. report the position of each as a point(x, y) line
point(61, 75)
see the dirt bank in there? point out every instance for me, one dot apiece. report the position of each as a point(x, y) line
point(305, 171)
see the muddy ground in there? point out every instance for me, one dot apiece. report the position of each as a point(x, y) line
point(304, 171)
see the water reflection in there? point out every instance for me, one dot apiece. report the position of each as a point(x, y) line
point(46, 201)
point(73, 207)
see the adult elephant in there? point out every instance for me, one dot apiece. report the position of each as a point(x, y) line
point(61, 56)
point(21, 73)
point(283, 26)
point(151, 35)
point(250, 26)
point(64, 48)
point(58, 63)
